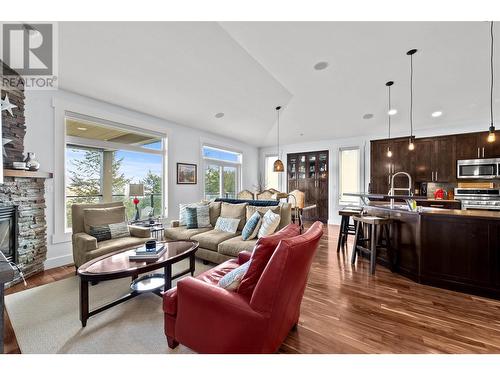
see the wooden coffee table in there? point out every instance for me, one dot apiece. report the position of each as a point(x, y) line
point(117, 265)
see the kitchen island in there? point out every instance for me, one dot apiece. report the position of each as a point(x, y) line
point(452, 249)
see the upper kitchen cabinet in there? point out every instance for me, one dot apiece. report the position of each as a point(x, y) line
point(380, 167)
point(475, 146)
point(424, 149)
point(443, 159)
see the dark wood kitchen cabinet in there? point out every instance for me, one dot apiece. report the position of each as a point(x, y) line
point(434, 159)
point(308, 172)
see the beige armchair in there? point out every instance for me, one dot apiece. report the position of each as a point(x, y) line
point(86, 247)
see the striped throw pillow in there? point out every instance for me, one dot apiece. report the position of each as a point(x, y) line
point(109, 231)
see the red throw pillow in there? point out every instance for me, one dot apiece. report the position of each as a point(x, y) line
point(262, 252)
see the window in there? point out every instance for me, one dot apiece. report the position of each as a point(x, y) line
point(222, 171)
point(272, 178)
point(102, 160)
point(349, 174)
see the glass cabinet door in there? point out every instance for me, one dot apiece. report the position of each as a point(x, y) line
point(311, 165)
point(292, 167)
point(323, 165)
point(302, 167)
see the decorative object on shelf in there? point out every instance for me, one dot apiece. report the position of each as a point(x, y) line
point(4, 142)
point(491, 135)
point(411, 140)
point(278, 164)
point(136, 190)
point(389, 84)
point(19, 165)
point(6, 105)
point(31, 163)
point(186, 173)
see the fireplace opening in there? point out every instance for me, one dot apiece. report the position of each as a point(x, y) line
point(8, 232)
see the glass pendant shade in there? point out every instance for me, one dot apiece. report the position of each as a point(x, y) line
point(411, 145)
point(278, 166)
point(491, 135)
point(389, 152)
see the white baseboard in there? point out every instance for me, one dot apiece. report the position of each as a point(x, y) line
point(58, 261)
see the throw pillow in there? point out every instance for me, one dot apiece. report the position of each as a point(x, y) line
point(251, 228)
point(235, 211)
point(197, 217)
point(214, 211)
point(270, 222)
point(261, 254)
point(191, 218)
point(103, 216)
point(110, 231)
point(183, 212)
point(231, 280)
point(252, 209)
point(227, 224)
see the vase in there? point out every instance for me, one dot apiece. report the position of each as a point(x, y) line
point(31, 163)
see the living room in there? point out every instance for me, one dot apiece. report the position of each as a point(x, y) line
point(250, 186)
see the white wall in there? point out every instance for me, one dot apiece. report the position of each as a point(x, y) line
point(45, 136)
point(363, 142)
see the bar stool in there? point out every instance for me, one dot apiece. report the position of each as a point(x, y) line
point(346, 228)
point(374, 225)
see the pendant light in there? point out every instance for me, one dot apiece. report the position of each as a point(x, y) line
point(491, 135)
point(411, 140)
point(389, 152)
point(278, 164)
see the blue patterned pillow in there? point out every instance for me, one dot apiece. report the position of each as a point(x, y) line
point(191, 218)
point(252, 226)
point(232, 280)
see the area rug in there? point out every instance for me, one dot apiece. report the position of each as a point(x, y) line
point(46, 319)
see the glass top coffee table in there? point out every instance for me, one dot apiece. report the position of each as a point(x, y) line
point(117, 265)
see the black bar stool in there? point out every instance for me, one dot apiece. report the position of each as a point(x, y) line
point(374, 226)
point(346, 228)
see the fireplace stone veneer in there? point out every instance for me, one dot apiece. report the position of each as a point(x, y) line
point(28, 195)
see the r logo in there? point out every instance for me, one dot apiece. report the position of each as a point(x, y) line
point(28, 48)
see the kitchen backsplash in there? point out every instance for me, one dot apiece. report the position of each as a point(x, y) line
point(448, 187)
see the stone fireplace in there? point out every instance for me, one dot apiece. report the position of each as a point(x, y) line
point(23, 237)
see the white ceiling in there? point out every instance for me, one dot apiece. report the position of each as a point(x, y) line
point(187, 72)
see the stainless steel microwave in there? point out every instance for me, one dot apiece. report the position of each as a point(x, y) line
point(478, 168)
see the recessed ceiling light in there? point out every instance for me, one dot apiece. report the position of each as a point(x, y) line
point(392, 112)
point(301, 134)
point(436, 114)
point(367, 116)
point(83, 129)
point(321, 65)
point(219, 115)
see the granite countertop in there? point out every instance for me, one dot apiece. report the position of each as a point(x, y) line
point(374, 196)
point(431, 211)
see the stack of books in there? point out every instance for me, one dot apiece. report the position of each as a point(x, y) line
point(142, 254)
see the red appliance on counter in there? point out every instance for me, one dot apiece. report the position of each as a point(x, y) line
point(440, 194)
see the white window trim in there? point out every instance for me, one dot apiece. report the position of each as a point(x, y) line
point(67, 108)
point(339, 173)
point(221, 163)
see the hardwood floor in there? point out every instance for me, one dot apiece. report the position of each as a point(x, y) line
point(346, 310)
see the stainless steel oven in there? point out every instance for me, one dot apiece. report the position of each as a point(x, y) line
point(478, 199)
point(478, 168)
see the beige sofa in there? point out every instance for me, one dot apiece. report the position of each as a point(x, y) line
point(216, 246)
point(86, 247)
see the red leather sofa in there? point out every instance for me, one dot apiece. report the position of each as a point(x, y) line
point(209, 319)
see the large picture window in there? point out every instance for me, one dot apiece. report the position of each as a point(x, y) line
point(222, 172)
point(349, 174)
point(102, 160)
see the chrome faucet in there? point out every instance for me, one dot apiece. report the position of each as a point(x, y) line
point(393, 189)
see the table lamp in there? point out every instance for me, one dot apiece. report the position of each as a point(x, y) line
point(136, 190)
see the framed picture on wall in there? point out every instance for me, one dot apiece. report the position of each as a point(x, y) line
point(186, 173)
